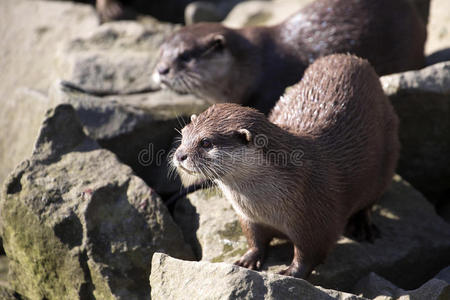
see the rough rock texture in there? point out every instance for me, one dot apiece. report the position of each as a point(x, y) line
point(438, 27)
point(410, 232)
point(250, 13)
point(4, 271)
point(210, 226)
point(115, 58)
point(30, 32)
point(7, 294)
point(203, 280)
point(76, 223)
point(375, 287)
point(422, 101)
point(139, 129)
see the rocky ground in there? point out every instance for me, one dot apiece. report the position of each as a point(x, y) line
point(84, 177)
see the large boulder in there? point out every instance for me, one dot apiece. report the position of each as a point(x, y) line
point(31, 32)
point(422, 102)
point(76, 223)
point(411, 232)
point(176, 279)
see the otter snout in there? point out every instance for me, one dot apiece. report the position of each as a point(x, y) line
point(161, 70)
point(180, 155)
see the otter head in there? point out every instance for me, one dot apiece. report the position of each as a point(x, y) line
point(199, 59)
point(219, 144)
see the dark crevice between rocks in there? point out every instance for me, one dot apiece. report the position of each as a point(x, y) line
point(87, 288)
point(14, 186)
point(70, 231)
point(146, 151)
point(135, 276)
point(189, 211)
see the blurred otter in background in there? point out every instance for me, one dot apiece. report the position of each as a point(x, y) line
point(253, 65)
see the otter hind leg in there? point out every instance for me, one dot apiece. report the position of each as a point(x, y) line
point(300, 267)
point(361, 228)
point(258, 237)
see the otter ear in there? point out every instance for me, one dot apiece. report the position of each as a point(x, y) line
point(246, 135)
point(219, 41)
point(193, 117)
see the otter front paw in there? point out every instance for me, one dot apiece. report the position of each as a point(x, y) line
point(252, 259)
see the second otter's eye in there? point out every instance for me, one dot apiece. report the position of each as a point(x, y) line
point(205, 143)
point(184, 57)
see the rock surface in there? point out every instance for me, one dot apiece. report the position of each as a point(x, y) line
point(203, 280)
point(422, 101)
point(139, 128)
point(115, 58)
point(375, 287)
point(30, 32)
point(76, 223)
point(438, 26)
point(410, 232)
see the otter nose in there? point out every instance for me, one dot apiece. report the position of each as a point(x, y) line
point(180, 155)
point(163, 69)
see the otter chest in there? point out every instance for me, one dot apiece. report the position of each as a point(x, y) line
point(246, 207)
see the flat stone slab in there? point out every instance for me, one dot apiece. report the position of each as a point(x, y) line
point(176, 279)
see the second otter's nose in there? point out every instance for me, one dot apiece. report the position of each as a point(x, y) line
point(163, 69)
point(180, 155)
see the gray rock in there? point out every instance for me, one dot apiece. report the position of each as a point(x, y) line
point(376, 287)
point(210, 226)
point(410, 232)
point(438, 30)
point(30, 33)
point(76, 223)
point(115, 58)
point(24, 113)
point(176, 279)
point(422, 101)
point(139, 129)
point(7, 294)
point(4, 271)
point(444, 275)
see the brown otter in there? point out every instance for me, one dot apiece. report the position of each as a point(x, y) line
point(327, 151)
point(254, 65)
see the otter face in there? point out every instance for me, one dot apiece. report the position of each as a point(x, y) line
point(214, 146)
point(196, 61)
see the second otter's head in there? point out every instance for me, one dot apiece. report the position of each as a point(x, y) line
point(220, 143)
point(203, 59)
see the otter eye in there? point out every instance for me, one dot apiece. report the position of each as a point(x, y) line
point(184, 57)
point(205, 143)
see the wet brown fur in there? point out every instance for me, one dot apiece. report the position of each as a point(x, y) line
point(265, 60)
point(345, 130)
